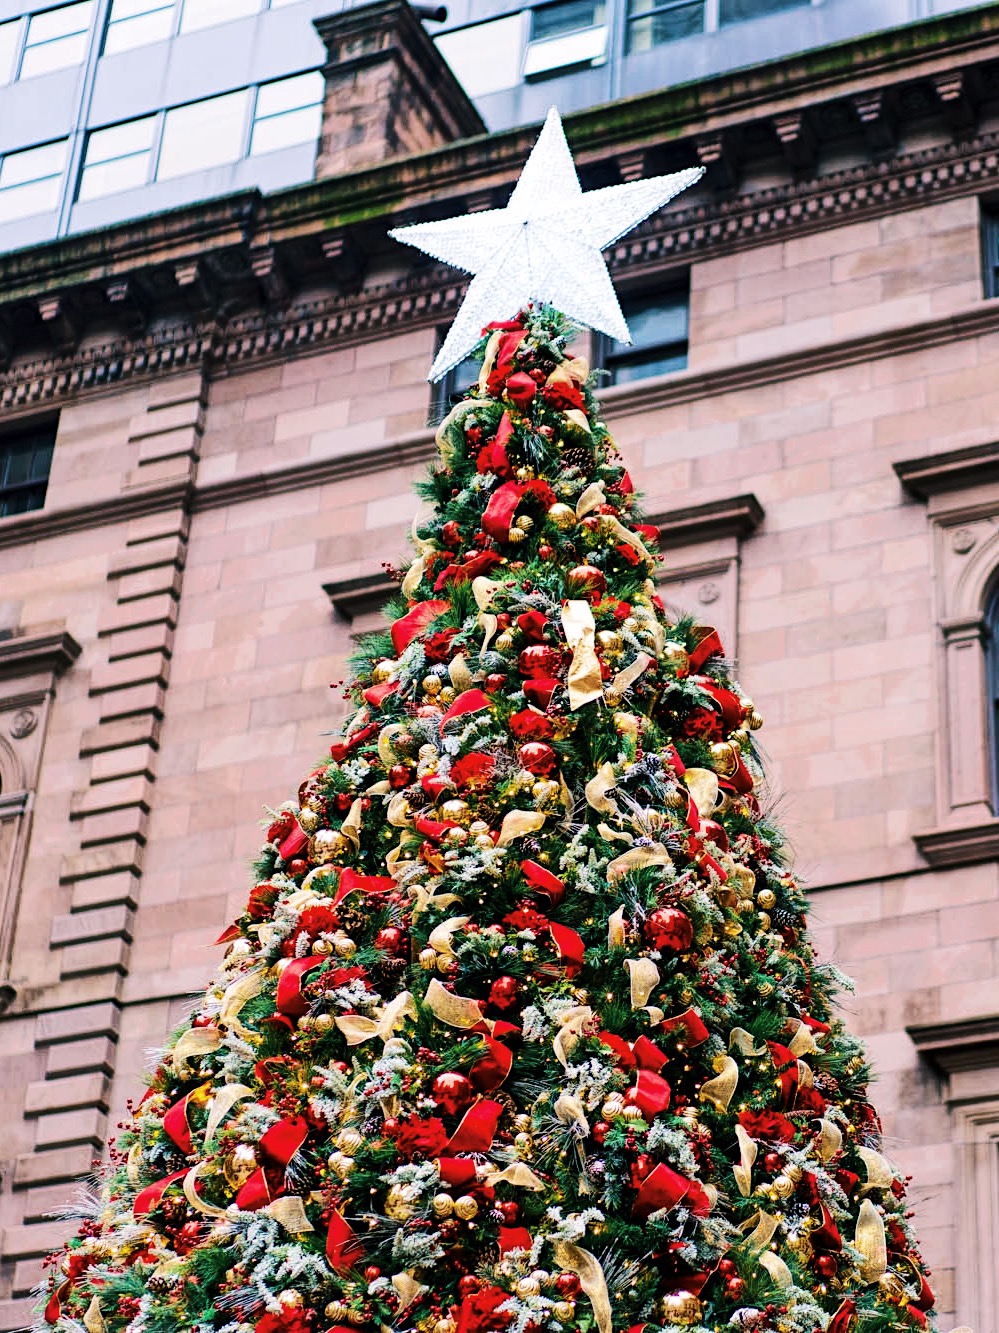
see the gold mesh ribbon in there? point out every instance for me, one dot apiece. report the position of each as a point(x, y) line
point(777, 1268)
point(597, 788)
point(587, 1268)
point(194, 1198)
point(644, 977)
point(351, 826)
point(457, 1011)
point(518, 1174)
point(572, 1023)
point(386, 750)
point(702, 784)
point(759, 1230)
point(237, 995)
point(461, 677)
point(569, 1110)
point(879, 1173)
point(616, 934)
point(517, 823)
point(830, 1140)
point(193, 1044)
point(356, 1028)
point(747, 1156)
point(440, 937)
point(626, 678)
point(720, 1090)
point(583, 681)
point(222, 1103)
point(637, 858)
point(871, 1242)
point(590, 499)
point(93, 1320)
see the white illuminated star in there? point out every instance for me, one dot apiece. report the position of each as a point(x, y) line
point(544, 246)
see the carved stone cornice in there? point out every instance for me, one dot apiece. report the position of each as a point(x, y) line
point(954, 469)
point(47, 652)
point(970, 1043)
point(735, 516)
point(963, 845)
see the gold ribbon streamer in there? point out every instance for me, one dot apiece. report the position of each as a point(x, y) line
point(614, 835)
point(517, 823)
point(289, 1212)
point(461, 677)
point(597, 788)
point(879, 1173)
point(619, 533)
point(761, 1227)
point(132, 1163)
point(193, 1044)
point(703, 787)
point(222, 1103)
point(803, 1042)
point(626, 678)
point(457, 1011)
point(742, 1041)
point(777, 1268)
point(569, 1110)
point(356, 1028)
point(426, 900)
point(568, 803)
point(871, 1242)
point(450, 433)
point(830, 1140)
point(484, 590)
point(591, 497)
point(616, 933)
point(489, 625)
point(440, 937)
point(583, 681)
point(408, 1288)
point(414, 576)
point(720, 1090)
point(351, 826)
point(422, 544)
point(572, 1023)
point(572, 1259)
point(637, 858)
point(237, 995)
point(747, 1156)
point(399, 814)
point(806, 1079)
point(194, 1198)
point(386, 750)
point(644, 978)
point(93, 1320)
point(492, 347)
point(518, 1174)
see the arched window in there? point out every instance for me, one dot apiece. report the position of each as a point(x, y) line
point(992, 685)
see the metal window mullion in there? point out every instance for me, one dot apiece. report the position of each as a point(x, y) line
point(251, 120)
point(22, 46)
point(155, 146)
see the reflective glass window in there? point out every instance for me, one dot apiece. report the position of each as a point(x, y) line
point(206, 13)
point(30, 180)
point(652, 22)
point(56, 39)
point(25, 459)
point(117, 158)
point(566, 16)
point(659, 326)
point(10, 45)
point(203, 134)
point(288, 112)
point(736, 11)
point(137, 23)
point(990, 246)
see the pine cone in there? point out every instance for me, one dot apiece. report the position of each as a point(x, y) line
point(577, 455)
point(388, 972)
point(352, 919)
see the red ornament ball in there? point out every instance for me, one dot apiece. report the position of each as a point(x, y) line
point(495, 681)
point(545, 552)
point(669, 928)
point(568, 1285)
point(600, 1131)
point(452, 1092)
point(510, 1211)
point(537, 757)
point(539, 660)
point(734, 1287)
point(773, 1161)
point(727, 1267)
point(468, 1285)
point(503, 993)
point(586, 578)
point(826, 1265)
point(400, 775)
point(297, 867)
point(372, 1273)
point(391, 940)
point(451, 533)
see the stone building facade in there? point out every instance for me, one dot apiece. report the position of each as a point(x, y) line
point(234, 400)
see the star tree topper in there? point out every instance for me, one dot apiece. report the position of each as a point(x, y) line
point(544, 246)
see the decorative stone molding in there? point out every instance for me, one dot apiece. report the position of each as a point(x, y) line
point(30, 664)
point(959, 487)
point(966, 1055)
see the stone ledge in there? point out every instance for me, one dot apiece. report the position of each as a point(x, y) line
point(26, 653)
point(960, 846)
point(951, 470)
point(971, 1043)
point(737, 516)
point(355, 597)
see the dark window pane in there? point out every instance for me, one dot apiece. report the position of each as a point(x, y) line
point(567, 16)
point(25, 460)
point(735, 11)
point(642, 367)
point(653, 24)
point(990, 230)
point(658, 325)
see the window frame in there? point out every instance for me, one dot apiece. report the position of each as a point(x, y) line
point(782, 7)
point(991, 622)
point(990, 248)
point(662, 7)
point(26, 45)
point(112, 23)
point(446, 392)
point(58, 177)
point(605, 356)
point(41, 432)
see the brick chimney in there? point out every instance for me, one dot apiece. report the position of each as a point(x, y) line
point(389, 92)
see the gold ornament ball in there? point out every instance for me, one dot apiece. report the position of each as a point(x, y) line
point(382, 671)
point(356, 1317)
point(612, 1107)
point(478, 826)
point(766, 988)
point(764, 921)
point(484, 841)
point(349, 1140)
point(745, 906)
point(455, 809)
point(675, 656)
point(447, 695)
point(309, 820)
point(754, 721)
point(465, 1207)
point(344, 947)
point(724, 758)
point(564, 1311)
point(766, 899)
point(427, 752)
point(432, 685)
point(562, 516)
point(733, 929)
point(546, 792)
point(239, 1165)
point(784, 1187)
point(323, 1023)
point(444, 963)
point(445, 1325)
point(442, 1205)
point(523, 1143)
point(399, 1203)
point(337, 1311)
point(522, 1123)
point(632, 1112)
point(525, 523)
point(528, 1286)
point(327, 845)
point(504, 642)
point(525, 473)
point(892, 1288)
point(428, 959)
point(681, 1307)
point(323, 948)
point(612, 697)
point(610, 643)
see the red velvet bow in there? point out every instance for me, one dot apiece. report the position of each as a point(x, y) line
point(569, 945)
point(539, 690)
point(351, 882)
point(147, 1199)
point(707, 645)
point(665, 1188)
point(469, 701)
point(343, 1249)
point(543, 881)
point(176, 1125)
point(477, 1127)
point(289, 999)
point(650, 1093)
point(456, 1172)
point(514, 1238)
point(293, 842)
point(277, 1146)
point(405, 630)
point(341, 750)
point(692, 1024)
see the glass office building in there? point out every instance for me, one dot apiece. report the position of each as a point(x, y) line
point(110, 109)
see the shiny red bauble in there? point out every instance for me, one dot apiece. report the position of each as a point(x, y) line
point(344, 800)
point(586, 578)
point(468, 1285)
point(668, 928)
point(727, 1267)
point(734, 1287)
point(568, 1285)
point(545, 552)
point(493, 682)
point(503, 992)
point(372, 1273)
point(452, 1092)
point(537, 757)
point(539, 660)
point(400, 775)
point(773, 1161)
point(391, 940)
point(451, 533)
point(600, 1131)
point(510, 1211)
point(297, 867)
point(826, 1265)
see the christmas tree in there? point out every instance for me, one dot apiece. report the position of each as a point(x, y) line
point(520, 1028)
